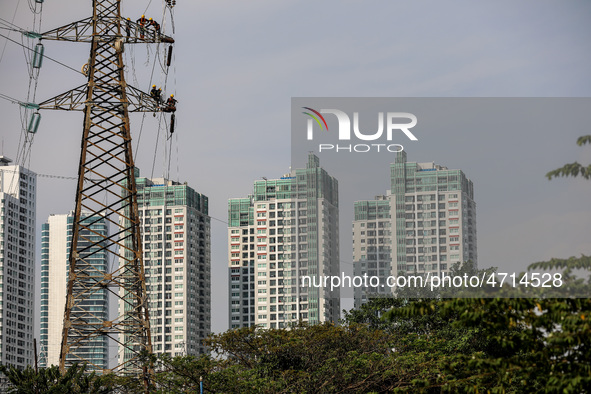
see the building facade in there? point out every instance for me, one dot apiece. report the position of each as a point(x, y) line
point(285, 230)
point(56, 240)
point(372, 245)
point(431, 224)
point(18, 190)
point(176, 242)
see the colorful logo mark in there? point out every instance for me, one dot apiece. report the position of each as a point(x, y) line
point(316, 118)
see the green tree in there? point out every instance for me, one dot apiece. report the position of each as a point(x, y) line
point(323, 358)
point(507, 345)
point(320, 358)
point(573, 169)
point(50, 380)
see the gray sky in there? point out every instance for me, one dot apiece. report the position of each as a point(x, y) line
point(238, 63)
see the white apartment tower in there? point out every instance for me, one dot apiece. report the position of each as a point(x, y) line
point(286, 229)
point(425, 224)
point(176, 243)
point(56, 240)
point(372, 245)
point(17, 263)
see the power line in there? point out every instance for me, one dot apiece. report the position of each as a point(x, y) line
point(219, 220)
point(148, 6)
point(76, 178)
point(46, 175)
point(9, 24)
point(8, 98)
point(44, 56)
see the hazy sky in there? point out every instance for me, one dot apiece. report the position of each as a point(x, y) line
point(237, 64)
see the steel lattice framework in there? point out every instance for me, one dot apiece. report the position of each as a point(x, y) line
point(106, 189)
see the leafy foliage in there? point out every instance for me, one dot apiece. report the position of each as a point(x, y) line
point(527, 345)
point(473, 345)
point(50, 380)
point(321, 358)
point(573, 169)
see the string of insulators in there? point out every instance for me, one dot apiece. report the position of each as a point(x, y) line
point(171, 3)
point(169, 58)
point(34, 122)
point(38, 55)
point(35, 117)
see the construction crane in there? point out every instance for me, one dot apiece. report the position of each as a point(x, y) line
point(106, 190)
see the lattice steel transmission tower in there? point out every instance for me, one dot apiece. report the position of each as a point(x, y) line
point(106, 189)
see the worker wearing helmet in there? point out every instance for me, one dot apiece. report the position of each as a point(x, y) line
point(170, 104)
point(156, 94)
point(142, 22)
point(127, 28)
point(155, 25)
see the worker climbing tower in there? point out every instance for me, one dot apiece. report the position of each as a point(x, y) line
point(106, 191)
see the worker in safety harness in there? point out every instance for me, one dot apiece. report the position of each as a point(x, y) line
point(142, 22)
point(170, 104)
point(156, 94)
point(128, 28)
point(156, 26)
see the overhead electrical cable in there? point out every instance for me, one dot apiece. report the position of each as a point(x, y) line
point(44, 56)
point(10, 24)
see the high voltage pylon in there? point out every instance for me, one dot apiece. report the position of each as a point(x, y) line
point(106, 189)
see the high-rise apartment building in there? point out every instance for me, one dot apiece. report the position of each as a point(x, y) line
point(176, 242)
point(372, 245)
point(18, 188)
point(56, 240)
point(285, 230)
point(431, 224)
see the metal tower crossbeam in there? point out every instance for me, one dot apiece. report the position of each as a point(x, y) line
point(75, 100)
point(82, 31)
point(106, 190)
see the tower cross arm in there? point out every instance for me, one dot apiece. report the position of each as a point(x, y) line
point(76, 31)
point(75, 99)
point(108, 28)
point(71, 100)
